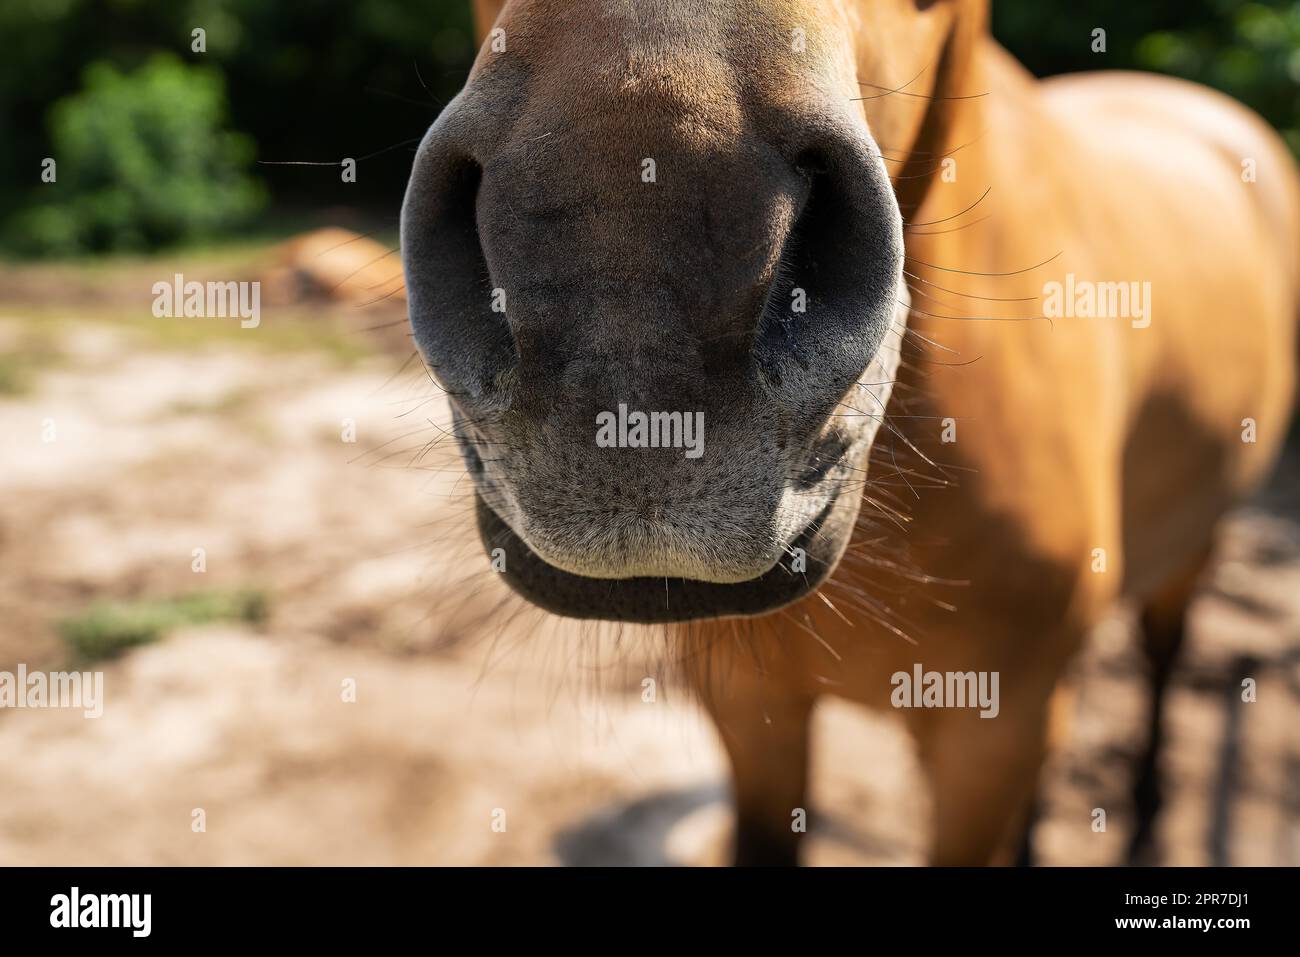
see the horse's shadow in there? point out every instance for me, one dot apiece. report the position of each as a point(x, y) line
point(636, 833)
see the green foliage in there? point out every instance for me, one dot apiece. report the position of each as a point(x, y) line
point(143, 161)
point(320, 80)
point(109, 628)
point(1255, 57)
point(1249, 50)
point(14, 377)
point(309, 80)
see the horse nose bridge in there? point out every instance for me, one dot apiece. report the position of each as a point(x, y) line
point(682, 268)
point(624, 366)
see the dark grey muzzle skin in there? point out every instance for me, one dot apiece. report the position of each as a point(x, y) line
point(673, 295)
point(656, 600)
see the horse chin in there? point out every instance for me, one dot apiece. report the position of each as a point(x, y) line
point(810, 558)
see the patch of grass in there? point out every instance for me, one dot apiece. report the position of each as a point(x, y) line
point(19, 361)
point(288, 330)
point(232, 403)
point(227, 252)
point(283, 330)
point(106, 629)
point(14, 379)
point(118, 289)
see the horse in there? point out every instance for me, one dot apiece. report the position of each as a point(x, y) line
point(976, 357)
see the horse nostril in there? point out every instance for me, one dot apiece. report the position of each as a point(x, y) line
point(457, 317)
point(835, 293)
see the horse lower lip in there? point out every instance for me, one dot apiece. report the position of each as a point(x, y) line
point(656, 600)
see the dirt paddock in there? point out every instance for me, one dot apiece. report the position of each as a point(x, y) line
point(391, 704)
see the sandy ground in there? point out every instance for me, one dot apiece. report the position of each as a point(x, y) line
point(481, 732)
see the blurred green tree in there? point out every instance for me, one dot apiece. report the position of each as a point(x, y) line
point(1257, 60)
point(310, 80)
point(321, 80)
point(1249, 49)
point(143, 160)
